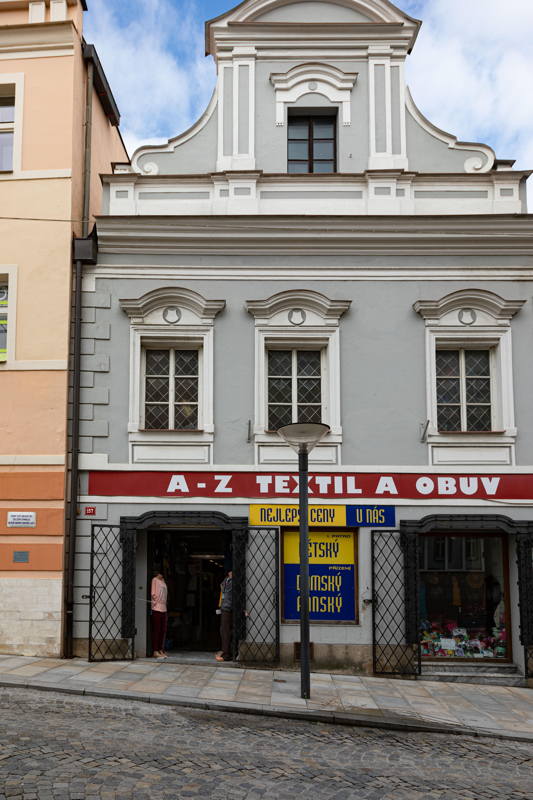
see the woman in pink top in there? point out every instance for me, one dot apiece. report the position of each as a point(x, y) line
point(159, 595)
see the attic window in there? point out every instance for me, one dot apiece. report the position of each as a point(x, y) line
point(311, 143)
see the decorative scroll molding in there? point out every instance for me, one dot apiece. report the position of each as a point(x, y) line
point(466, 300)
point(298, 300)
point(151, 168)
point(324, 79)
point(473, 163)
point(170, 297)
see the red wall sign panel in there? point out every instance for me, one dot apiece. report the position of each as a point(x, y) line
point(345, 485)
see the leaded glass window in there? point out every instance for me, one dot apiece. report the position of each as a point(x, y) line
point(171, 389)
point(294, 387)
point(464, 390)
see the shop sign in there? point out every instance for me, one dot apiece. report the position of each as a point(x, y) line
point(21, 519)
point(371, 516)
point(322, 486)
point(325, 516)
point(331, 576)
point(319, 516)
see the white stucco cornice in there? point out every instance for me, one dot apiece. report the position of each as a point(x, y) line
point(173, 297)
point(486, 235)
point(306, 299)
point(249, 16)
point(324, 79)
point(478, 299)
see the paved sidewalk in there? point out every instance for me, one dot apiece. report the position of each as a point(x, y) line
point(348, 699)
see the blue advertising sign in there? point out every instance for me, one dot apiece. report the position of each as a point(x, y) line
point(332, 577)
point(371, 516)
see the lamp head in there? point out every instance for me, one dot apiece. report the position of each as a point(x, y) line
point(303, 436)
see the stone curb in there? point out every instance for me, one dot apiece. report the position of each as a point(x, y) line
point(390, 722)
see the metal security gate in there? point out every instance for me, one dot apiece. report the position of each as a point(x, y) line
point(256, 595)
point(112, 596)
point(396, 647)
point(524, 557)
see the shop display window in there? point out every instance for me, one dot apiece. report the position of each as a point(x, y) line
point(462, 597)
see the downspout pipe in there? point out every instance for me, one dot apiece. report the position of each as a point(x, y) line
point(88, 148)
point(84, 251)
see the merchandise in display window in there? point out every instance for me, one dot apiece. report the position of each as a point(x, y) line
point(462, 597)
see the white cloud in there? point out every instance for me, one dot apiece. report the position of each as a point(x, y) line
point(471, 69)
point(153, 55)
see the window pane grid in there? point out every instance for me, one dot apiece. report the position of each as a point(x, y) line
point(171, 389)
point(311, 145)
point(463, 390)
point(294, 387)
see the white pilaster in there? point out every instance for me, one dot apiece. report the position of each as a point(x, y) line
point(36, 11)
point(382, 108)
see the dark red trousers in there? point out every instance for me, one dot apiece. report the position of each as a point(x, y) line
point(159, 630)
point(226, 630)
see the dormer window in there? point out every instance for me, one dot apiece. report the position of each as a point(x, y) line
point(311, 145)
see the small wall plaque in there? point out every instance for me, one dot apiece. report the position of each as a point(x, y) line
point(21, 557)
point(21, 519)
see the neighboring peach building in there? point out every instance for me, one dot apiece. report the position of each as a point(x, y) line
point(45, 163)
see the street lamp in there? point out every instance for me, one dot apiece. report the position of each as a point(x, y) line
point(302, 437)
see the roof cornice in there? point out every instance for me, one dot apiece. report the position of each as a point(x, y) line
point(486, 235)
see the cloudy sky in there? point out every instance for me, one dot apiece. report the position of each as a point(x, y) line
point(470, 72)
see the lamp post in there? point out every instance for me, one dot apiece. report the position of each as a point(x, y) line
point(302, 437)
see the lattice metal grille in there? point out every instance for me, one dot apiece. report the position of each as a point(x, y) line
point(524, 558)
point(396, 647)
point(256, 595)
point(111, 607)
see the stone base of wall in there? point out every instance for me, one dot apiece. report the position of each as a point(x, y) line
point(30, 616)
point(354, 657)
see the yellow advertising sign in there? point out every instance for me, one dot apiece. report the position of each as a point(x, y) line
point(319, 516)
point(325, 547)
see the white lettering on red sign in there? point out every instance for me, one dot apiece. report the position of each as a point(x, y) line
point(90, 511)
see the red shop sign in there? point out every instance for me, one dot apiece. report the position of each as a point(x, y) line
point(345, 485)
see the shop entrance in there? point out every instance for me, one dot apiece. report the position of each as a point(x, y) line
point(194, 563)
point(464, 596)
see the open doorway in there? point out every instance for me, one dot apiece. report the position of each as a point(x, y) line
point(194, 563)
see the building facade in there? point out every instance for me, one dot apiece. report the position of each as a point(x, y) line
point(312, 249)
point(49, 191)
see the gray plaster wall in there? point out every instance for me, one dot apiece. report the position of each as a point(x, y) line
point(426, 153)
point(197, 155)
point(383, 380)
point(313, 12)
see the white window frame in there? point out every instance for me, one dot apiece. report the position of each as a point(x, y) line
point(14, 84)
point(320, 331)
point(489, 330)
point(193, 330)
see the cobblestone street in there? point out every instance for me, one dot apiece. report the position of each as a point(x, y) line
point(76, 748)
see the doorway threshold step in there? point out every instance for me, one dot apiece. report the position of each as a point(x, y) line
point(197, 660)
point(463, 667)
point(481, 678)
